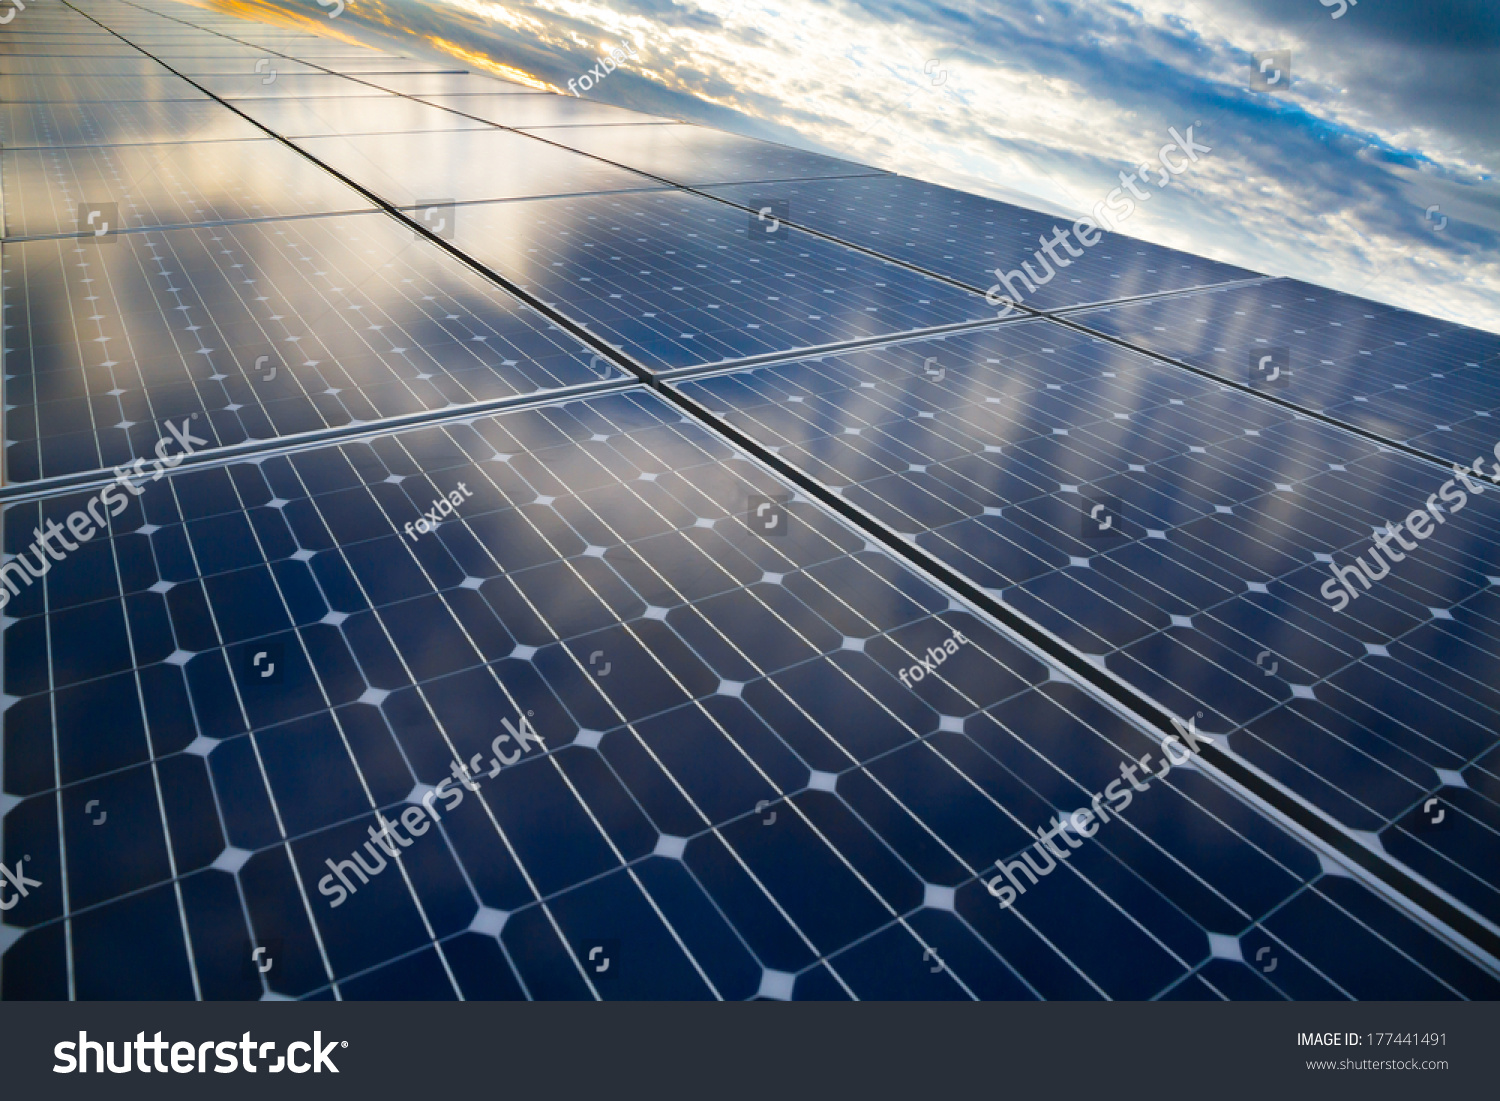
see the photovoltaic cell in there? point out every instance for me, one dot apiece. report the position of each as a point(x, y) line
point(373, 114)
point(677, 280)
point(1402, 376)
point(1185, 534)
point(252, 85)
point(751, 753)
point(700, 805)
point(105, 88)
point(967, 237)
point(440, 84)
point(694, 155)
point(131, 122)
point(51, 191)
point(539, 110)
point(465, 165)
point(255, 331)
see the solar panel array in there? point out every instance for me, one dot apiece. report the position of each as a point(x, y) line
point(462, 541)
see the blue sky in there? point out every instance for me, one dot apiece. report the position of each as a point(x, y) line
point(1372, 169)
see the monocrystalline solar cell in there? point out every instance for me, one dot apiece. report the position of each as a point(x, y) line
point(130, 122)
point(266, 66)
point(373, 114)
point(417, 169)
point(714, 769)
point(440, 84)
point(677, 280)
point(437, 563)
point(539, 110)
point(257, 331)
point(105, 88)
point(241, 82)
point(694, 155)
point(1405, 377)
point(1184, 533)
point(967, 237)
point(51, 191)
point(139, 65)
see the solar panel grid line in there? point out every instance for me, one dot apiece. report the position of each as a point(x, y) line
point(1265, 394)
point(310, 245)
point(1145, 580)
point(1249, 777)
point(611, 355)
point(978, 215)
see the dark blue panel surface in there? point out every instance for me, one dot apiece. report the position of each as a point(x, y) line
point(967, 237)
point(677, 280)
point(1184, 533)
point(719, 777)
point(1403, 376)
point(254, 331)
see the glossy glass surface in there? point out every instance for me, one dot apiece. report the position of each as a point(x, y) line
point(94, 87)
point(258, 331)
point(966, 237)
point(731, 785)
point(440, 84)
point(465, 165)
point(695, 155)
point(751, 752)
point(539, 110)
point(132, 122)
point(1200, 580)
point(677, 280)
point(1403, 376)
point(166, 184)
point(242, 83)
point(373, 114)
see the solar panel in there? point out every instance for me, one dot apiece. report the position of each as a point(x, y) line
point(418, 168)
point(1430, 384)
point(374, 114)
point(258, 331)
point(968, 237)
point(279, 661)
point(246, 84)
point(89, 86)
point(51, 191)
point(1184, 534)
point(539, 110)
point(696, 156)
point(677, 280)
point(438, 561)
point(437, 84)
point(127, 123)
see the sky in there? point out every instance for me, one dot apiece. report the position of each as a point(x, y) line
point(1370, 167)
